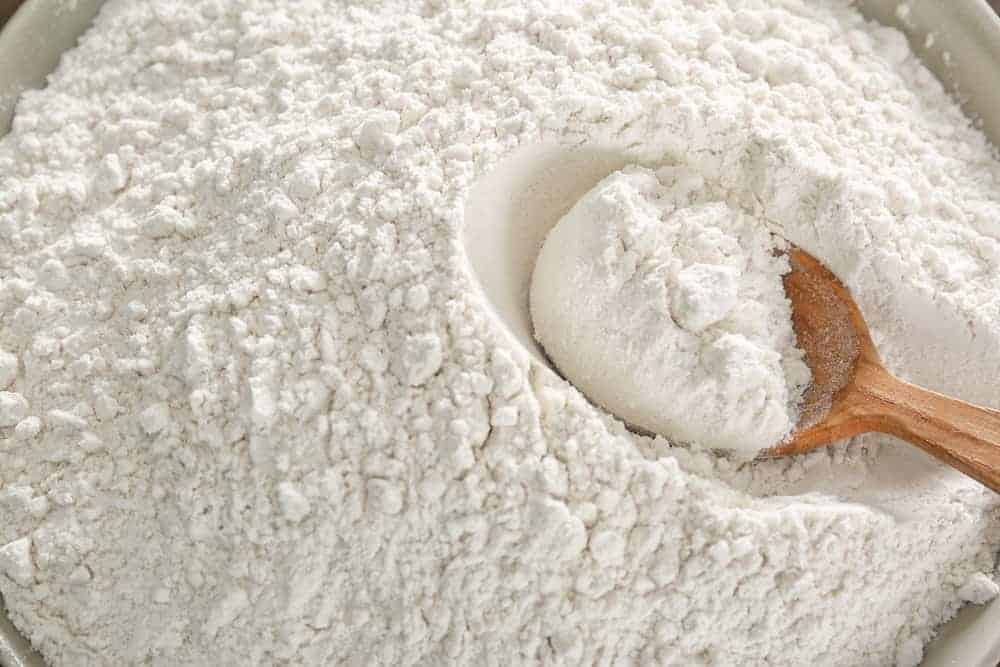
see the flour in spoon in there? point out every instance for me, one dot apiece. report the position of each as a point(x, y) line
point(256, 411)
point(664, 304)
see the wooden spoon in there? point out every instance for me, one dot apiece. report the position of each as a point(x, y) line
point(852, 393)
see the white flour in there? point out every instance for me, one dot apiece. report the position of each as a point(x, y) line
point(665, 305)
point(261, 414)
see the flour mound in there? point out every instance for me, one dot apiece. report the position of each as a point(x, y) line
point(255, 411)
point(667, 308)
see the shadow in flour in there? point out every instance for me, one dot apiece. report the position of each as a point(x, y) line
point(508, 214)
point(510, 211)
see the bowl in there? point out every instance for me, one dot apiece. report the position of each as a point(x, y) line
point(511, 209)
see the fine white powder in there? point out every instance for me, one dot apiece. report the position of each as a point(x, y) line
point(257, 412)
point(665, 305)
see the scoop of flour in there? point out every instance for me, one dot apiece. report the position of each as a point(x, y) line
point(667, 308)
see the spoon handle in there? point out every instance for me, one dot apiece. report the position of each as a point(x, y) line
point(965, 436)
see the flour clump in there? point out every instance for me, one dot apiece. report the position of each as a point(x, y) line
point(667, 308)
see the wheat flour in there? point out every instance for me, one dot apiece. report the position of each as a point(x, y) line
point(665, 305)
point(257, 413)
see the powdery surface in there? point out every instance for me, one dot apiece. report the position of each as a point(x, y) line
point(665, 305)
point(259, 414)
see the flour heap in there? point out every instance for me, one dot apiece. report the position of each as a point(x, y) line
point(255, 410)
point(667, 307)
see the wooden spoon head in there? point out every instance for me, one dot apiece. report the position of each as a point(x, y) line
point(834, 337)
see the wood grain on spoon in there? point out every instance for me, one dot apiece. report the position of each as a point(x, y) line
point(852, 392)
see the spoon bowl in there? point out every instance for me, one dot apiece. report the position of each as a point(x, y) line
point(852, 392)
